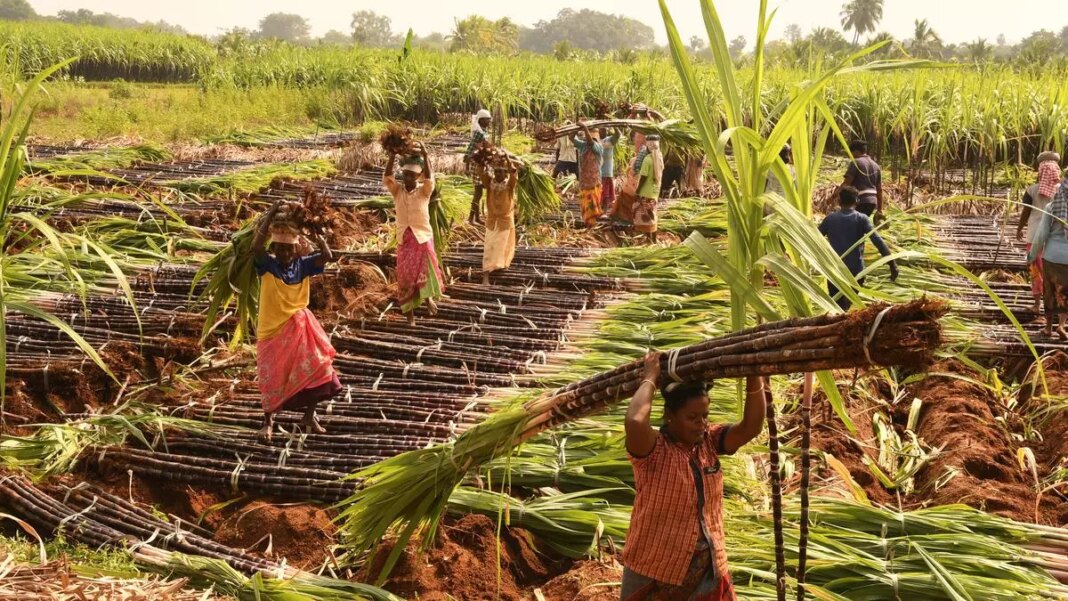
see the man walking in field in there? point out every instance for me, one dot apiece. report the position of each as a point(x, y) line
point(866, 176)
point(479, 123)
point(845, 230)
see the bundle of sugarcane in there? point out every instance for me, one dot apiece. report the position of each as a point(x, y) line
point(413, 488)
point(673, 133)
point(485, 153)
point(396, 139)
point(314, 215)
point(232, 279)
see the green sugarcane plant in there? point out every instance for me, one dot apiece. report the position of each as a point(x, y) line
point(26, 238)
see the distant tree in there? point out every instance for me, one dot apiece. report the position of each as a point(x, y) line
point(925, 42)
point(1038, 48)
point(16, 10)
point(481, 35)
point(793, 33)
point(284, 26)
point(371, 29)
point(1064, 39)
point(335, 38)
point(1001, 40)
point(234, 41)
point(587, 30)
point(737, 47)
point(697, 43)
point(861, 16)
point(826, 40)
point(886, 51)
point(978, 51)
point(434, 41)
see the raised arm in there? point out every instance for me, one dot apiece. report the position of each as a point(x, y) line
point(1025, 214)
point(427, 173)
point(325, 254)
point(752, 417)
point(391, 164)
point(259, 243)
point(640, 434)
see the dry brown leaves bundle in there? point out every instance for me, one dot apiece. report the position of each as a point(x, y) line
point(313, 216)
point(396, 139)
point(56, 581)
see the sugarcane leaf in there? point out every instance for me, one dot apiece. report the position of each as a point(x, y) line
point(949, 582)
point(739, 284)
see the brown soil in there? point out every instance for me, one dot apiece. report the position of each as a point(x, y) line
point(960, 417)
point(586, 581)
point(463, 564)
point(302, 534)
point(179, 500)
point(355, 289)
point(830, 436)
point(1052, 452)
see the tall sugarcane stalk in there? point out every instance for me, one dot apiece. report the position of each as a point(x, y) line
point(806, 468)
point(776, 494)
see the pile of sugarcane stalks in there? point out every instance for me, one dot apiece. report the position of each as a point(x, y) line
point(1003, 342)
point(973, 302)
point(88, 515)
point(237, 474)
point(148, 173)
point(979, 243)
point(341, 190)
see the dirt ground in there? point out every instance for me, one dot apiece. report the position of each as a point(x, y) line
point(463, 564)
point(301, 533)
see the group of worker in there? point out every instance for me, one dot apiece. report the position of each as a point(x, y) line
point(675, 546)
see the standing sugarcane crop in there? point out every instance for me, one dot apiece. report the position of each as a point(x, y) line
point(590, 159)
point(294, 358)
point(419, 276)
point(498, 249)
point(675, 546)
point(479, 123)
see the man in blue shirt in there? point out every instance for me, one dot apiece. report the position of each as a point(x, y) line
point(844, 229)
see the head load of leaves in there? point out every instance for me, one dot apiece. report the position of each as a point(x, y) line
point(489, 155)
point(396, 139)
point(312, 216)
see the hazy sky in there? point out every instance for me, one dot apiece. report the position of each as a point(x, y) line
point(955, 20)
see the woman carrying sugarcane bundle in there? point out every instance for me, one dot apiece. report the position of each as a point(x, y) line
point(294, 358)
point(1050, 241)
point(479, 123)
point(498, 249)
point(675, 547)
point(648, 193)
point(419, 277)
point(590, 159)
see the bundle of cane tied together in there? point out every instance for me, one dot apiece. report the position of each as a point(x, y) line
point(903, 335)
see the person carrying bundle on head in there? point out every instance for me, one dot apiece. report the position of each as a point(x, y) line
point(866, 176)
point(294, 358)
point(674, 170)
point(419, 276)
point(479, 123)
point(1036, 200)
point(498, 249)
point(566, 156)
point(590, 155)
point(1050, 241)
point(675, 546)
point(608, 169)
point(845, 230)
point(649, 177)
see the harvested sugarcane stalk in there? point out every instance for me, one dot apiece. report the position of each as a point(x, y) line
point(672, 132)
point(806, 468)
point(776, 494)
point(412, 488)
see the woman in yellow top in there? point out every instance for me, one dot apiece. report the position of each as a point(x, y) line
point(499, 247)
point(294, 358)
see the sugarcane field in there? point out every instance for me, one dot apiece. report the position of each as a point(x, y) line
point(699, 301)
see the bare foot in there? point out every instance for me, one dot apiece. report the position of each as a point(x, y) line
point(266, 433)
point(1047, 331)
point(1061, 333)
point(433, 307)
point(311, 423)
point(411, 318)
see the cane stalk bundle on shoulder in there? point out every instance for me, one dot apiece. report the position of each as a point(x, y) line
point(411, 490)
point(673, 132)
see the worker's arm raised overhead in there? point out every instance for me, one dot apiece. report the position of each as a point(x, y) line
point(640, 434)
